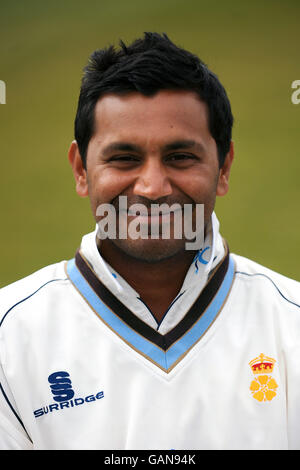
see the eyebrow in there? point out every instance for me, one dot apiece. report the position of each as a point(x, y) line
point(175, 145)
point(184, 144)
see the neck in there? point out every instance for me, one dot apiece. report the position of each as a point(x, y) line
point(157, 283)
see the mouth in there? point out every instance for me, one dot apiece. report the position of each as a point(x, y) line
point(151, 215)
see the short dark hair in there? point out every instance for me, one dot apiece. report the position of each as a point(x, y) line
point(148, 65)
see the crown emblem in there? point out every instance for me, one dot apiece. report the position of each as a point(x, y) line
point(263, 387)
point(262, 364)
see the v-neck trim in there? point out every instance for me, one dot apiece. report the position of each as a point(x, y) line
point(163, 350)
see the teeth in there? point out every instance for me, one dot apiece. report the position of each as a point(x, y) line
point(150, 214)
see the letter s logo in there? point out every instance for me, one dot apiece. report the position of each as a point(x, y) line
point(61, 386)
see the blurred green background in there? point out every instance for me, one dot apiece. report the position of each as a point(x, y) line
point(253, 47)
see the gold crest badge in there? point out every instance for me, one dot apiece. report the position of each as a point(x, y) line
point(263, 387)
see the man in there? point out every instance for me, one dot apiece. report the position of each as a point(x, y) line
point(139, 342)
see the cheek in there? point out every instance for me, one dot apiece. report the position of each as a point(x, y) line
point(200, 188)
point(106, 184)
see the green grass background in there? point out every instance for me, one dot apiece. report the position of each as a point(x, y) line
point(253, 47)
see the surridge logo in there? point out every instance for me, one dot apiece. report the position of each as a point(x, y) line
point(61, 386)
point(63, 395)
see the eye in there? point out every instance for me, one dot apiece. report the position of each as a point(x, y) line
point(123, 160)
point(181, 158)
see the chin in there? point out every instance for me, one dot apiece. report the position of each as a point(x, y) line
point(151, 251)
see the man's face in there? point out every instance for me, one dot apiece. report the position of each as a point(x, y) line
point(153, 150)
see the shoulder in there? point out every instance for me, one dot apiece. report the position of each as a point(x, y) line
point(38, 283)
point(267, 281)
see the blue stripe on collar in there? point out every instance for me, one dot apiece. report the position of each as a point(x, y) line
point(165, 360)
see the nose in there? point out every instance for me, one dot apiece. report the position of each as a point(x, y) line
point(152, 182)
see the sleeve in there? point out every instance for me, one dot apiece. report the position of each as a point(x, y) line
point(13, 435)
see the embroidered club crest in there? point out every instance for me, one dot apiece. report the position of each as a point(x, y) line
point(264, 386)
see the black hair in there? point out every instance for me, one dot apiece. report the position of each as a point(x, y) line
point(148, 65)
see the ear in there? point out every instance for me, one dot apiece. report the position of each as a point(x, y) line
point(223, 183)
point(78, 170)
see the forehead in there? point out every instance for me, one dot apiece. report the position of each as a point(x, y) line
point(164, 115)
